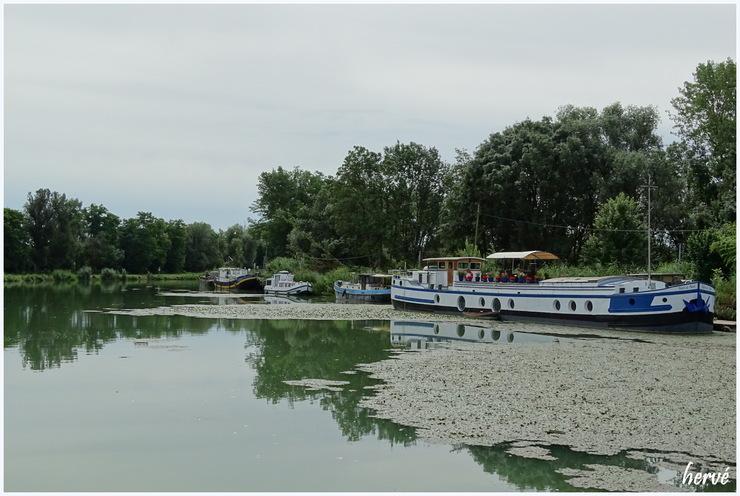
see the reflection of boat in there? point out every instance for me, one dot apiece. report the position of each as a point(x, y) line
point(281, 300)
point(370, 288)
point(234, 278)
point(422, 335)
point(615, 302)
point(282, 283)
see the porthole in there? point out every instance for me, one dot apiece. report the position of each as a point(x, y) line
point(460, 330)
point(482, 302)
point(481, 334)
point(495, 335)
point(436, 328)
point(510, 337)
point(665, 300)
point(632, 301)
point(436, 298)
point(511, 303)
point(556, 305)
point(460, 303)
point(572, 305)
point(496, 305)
point(589, 306)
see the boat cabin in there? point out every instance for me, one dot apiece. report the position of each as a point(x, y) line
point(281, 279)
point(443, 270)
point(374, 281)
point(228, 273)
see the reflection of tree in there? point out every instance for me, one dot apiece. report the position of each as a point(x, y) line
point(540, 475)
point(50, 325)
point(310, 349)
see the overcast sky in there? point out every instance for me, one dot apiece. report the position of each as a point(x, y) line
point(177, 109)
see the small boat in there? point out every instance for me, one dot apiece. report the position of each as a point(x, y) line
point(370, 288)
point(619, 302)
point(235, 279)
point(282, 283)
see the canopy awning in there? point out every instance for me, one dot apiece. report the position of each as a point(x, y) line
point(524, 255)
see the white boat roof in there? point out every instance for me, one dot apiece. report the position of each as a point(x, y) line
point(595, 281)
point(445, 259)
point(524, 255)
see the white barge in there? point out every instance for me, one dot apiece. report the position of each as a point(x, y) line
point(284, 284)
point(621, 302)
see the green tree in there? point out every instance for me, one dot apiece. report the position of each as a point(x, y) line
point(359, 209)
point(101, 239)
point(241, 248)
point(313, 232)
point(177, 234)
point(54, 225)
point(282, 196)
point(725, 246)
point(145, 243)
point(539, 184)
point(415, 178)
point(16, 241)
point(705, 118)
point(619, 236)
point(533, 183)
point(203, 251)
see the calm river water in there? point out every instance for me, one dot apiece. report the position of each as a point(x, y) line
point(96, 401)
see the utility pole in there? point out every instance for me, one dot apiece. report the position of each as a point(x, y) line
point(649, 187)
point(477, 217)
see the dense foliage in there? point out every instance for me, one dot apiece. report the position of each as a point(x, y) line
point(576, 184)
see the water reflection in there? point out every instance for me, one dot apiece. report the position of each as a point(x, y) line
point(417, 335)
point(287, 350)
point(51, 326)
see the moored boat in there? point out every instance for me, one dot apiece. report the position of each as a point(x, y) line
point(621, 302)
point(283, 283)
point(235, 279)
point(369, 288)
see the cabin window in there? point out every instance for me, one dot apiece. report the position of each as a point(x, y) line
point(475, 265)
point(556, 305)
point(621, 290)
point(572, 305)
point(462, 265)
point(635, 290)
point(460, 303)
point(589, 306)
point(442, 265)
point(432, 265)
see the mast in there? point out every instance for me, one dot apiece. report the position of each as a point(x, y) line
point(649, 187)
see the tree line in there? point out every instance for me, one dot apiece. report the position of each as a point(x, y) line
point(578, 184)
point(55, 232)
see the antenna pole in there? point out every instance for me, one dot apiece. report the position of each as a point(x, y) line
point(649, 187)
